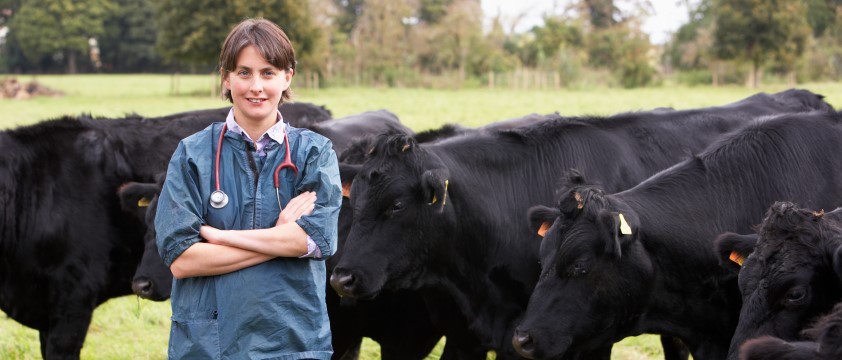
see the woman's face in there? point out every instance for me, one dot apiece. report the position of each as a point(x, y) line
point(256, 87)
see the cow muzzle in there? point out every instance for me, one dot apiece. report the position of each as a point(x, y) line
point(143, 287)
point(523, 344)
point(343, 282)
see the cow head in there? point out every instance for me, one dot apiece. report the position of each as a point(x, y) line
point(401, 207)
point(595, 276)
point(792, 275)
point(823, 340)
point(152, 279)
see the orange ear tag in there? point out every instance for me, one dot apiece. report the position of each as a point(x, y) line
point(346, 190)
point(543, 230)
point(143, 202)
point(737, 258)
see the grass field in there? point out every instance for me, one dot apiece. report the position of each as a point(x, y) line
point(131, 328)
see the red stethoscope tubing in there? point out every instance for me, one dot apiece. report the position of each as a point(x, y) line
point(286, 164)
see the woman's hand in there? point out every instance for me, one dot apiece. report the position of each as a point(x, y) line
point(302, 204)
point(212, 235)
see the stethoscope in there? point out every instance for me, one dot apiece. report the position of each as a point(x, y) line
point(218, 198)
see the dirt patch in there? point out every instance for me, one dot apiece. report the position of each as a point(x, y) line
point(11, 88)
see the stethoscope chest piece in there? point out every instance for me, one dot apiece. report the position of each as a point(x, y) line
point(218, 199)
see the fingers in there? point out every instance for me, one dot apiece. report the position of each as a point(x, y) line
point(210, 234)
point(302, 200)
point(303, 204)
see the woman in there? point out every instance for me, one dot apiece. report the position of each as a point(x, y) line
point(244, 247)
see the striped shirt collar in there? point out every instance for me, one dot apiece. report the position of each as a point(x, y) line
point(276, 132)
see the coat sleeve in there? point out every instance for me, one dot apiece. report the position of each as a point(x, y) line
point(321, 175)
point(178, 219)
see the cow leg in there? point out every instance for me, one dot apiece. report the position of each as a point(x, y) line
point(42, 336)
point(456, 350)
point(602, 353)
point(707, 350)
point(416, 347)
point(349, 351)
point(674, 348)
point(66, 334)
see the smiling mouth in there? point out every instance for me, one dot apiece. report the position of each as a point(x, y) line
point(256, 101)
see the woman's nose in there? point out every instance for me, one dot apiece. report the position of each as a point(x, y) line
point(256, 86)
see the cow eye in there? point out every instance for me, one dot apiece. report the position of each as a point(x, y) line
point(795, 296)
point(580, 268)
point(398, 206)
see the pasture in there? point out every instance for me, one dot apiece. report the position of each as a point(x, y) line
point(129, 327)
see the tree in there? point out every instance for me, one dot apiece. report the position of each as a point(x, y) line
point(381, 40)
point(59, 27)
point(431, 11)
point(456, 36)
point(756, 30)
point(602, 13)
point(128, 43)
point(192, 31)
point(351, 11)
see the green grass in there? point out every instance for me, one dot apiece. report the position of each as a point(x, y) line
point(127, 327)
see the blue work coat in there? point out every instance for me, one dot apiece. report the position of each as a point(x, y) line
point(273, 310)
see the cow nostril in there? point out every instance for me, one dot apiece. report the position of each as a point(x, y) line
point(343, 283)
point(523, 344)
point(142, 288)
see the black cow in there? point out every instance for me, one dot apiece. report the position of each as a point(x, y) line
point(343, 131)
point(65, 244)
point(451, 130)
point(437, 217)
point(823, 342)
point(640, 261)
point(152, 279)
point(790, 275)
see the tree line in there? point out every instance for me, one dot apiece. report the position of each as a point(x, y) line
point(434, 43)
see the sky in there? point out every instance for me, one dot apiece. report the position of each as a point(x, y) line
point(668, 15)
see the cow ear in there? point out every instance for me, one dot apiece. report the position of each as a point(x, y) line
point(574, 177)
point(732, 249)
point(134, 195)
point(836, 260)
point(616, 231)
point(347, 172)
point(435, 184)
point(541, 218)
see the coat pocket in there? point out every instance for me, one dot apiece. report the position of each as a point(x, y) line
point(194, 339)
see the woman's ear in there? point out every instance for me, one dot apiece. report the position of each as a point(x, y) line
point(288, 78)
point(225, 82)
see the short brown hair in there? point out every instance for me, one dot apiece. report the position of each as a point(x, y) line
point(268, 38)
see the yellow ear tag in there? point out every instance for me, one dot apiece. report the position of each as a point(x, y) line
point(625, 229)
point(543, 230)
point(444, 202)
point(737, 258)
point(143, 202)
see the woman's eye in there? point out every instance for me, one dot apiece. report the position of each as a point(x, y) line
point(269, 73)
point(243, 73)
